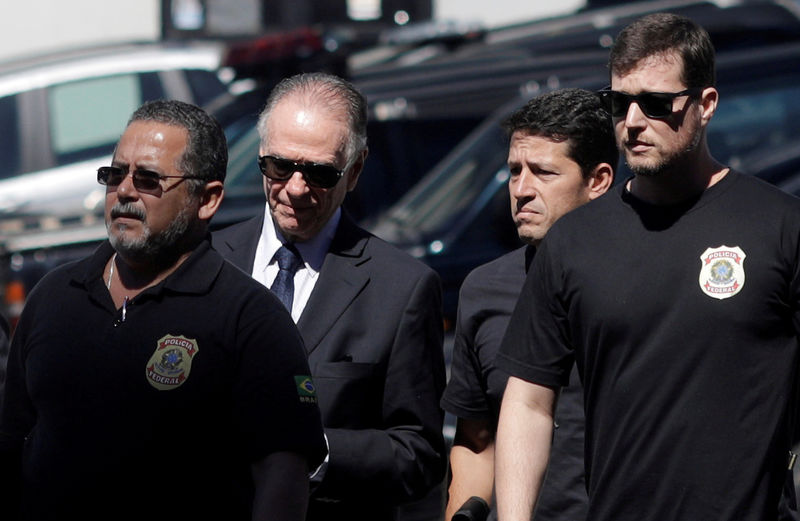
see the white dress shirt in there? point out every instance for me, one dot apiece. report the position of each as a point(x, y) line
point(265, 267)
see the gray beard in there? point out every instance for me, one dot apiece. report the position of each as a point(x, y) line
point(152, 246)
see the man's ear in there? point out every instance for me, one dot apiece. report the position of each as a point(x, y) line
point(708, 104)
point(600, 180)
point(356, 169)
point(210, 200)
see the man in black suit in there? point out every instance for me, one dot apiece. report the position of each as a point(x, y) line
point(369, 314)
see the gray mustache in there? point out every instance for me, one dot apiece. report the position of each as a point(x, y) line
point(128, 210)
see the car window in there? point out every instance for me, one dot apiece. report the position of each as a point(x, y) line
point(87, 117)
point(205, 85)
point(9, 144)
point(755, 114)
point(243, 174)
point(452, 189)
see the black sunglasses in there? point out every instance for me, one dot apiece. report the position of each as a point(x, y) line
point(315, 174)
point(144, 181)
point(655, 105)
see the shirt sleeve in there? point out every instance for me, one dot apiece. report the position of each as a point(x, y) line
point(275, 402)
point(536, 345)
point(465, 394)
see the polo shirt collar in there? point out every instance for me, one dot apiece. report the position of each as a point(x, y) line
point(195, 275)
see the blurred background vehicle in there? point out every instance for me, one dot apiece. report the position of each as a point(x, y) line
point(61, 114)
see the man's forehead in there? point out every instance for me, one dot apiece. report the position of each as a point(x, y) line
point(145, 140)
point(664, 61)
point(525, 139)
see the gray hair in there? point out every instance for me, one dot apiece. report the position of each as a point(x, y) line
point(332, 91)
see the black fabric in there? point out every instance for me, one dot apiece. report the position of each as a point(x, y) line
point(109, 432)
point(476, 385)
point(473, 509)
point(687, 395)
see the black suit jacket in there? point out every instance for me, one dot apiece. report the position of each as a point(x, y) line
point(373, 331)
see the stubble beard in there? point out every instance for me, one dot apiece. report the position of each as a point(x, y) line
point(669, 163)
point(149, 246)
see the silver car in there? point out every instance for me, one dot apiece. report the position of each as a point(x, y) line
point(61, 114)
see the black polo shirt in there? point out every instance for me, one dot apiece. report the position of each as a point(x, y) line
point(476, 385)
point(158, 412)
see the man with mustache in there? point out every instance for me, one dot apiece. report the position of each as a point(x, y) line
point(561, 155)
point(677, 295)
point(142, 380)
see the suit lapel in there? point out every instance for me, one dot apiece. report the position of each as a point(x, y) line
point(341, 279)
point(238, 244)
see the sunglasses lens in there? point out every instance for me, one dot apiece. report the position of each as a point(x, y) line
point(322, 176)
point(619, 104)
point(110, 176)
point(147, 181)
point(276, 168)
point(655, 105)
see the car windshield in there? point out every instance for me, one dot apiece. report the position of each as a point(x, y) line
point(451, 188)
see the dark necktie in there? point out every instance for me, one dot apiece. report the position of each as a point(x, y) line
point(289, 261)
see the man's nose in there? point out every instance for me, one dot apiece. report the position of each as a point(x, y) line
point(525, 185)
point(634, 117)
point(126, 189)
point(296, 185)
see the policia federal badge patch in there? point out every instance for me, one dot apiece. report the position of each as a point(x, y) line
point(305, 389)
point(171, 362)
point(722, 271)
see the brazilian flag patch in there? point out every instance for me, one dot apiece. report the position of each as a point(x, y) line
point(305, 389)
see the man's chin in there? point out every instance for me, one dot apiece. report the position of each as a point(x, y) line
point(529, 235)
point(129, 247)
point(292, 228)
point(643, 168)
point(294, 233)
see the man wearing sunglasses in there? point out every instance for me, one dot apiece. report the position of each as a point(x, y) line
point(144, 381)
point(677, 297)
point(369, 314)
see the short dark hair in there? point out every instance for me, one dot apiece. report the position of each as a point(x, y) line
point(328, 89)
point(206, 153)
point(663, 33)
point(573, 115)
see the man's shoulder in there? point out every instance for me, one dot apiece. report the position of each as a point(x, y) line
point(247, 228)
point(78, 270)
point(235, 289)
point(591, 218)
point(508, 267)
point(382, 255)
point(750, 186)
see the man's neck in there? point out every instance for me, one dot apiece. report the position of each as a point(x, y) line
point(127, 277)
point(679, 184)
